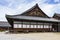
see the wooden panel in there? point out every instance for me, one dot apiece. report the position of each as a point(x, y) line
point(32, 29)
point(35, 11)
point(4, 28)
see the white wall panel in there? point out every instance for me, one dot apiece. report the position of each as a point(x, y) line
point(15, 25)
point(35, 26)
point(41, 26)
point(32, 26)
point(46, 26)
point(20, 25)
point(28, 26)
point(24, 26)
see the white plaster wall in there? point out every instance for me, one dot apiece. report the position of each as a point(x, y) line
point(46, 25)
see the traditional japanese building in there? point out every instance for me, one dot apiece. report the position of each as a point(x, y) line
point(4, 26)
point(34, 19)
point(57, 16)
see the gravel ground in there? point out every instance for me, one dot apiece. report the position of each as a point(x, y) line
point(30, 36)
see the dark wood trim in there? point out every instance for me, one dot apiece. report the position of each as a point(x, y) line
point(22, 25)
point(37, 25)
point(57, 27)
point(49, 27)
point(30, 25)
point(43, 26)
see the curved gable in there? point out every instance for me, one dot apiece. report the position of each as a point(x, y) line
point(35, 11)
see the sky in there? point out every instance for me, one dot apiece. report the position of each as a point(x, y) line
point(13, 7)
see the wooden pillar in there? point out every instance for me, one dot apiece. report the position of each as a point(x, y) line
point(43, 27)
point(36, 24)
point(17, 25)
point(57, 27)
point(33, 25)
point(30, 25)
point(26, 25)
point(22, 24)
point(8, 29)
point(49, 27)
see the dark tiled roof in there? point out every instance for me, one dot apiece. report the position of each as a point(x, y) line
point(57, 14)
point(4, 24)
point(33, 18)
